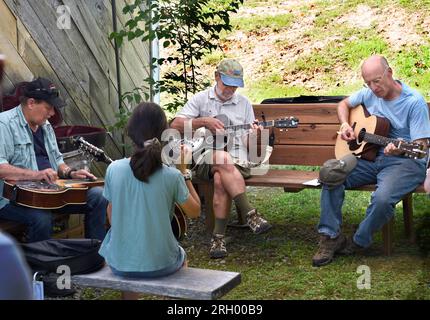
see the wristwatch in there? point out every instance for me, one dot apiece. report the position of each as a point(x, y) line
point(188, 175)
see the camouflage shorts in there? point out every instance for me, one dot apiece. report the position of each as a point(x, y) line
point(204, 171)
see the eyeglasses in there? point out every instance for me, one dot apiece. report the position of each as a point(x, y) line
point(376, 81)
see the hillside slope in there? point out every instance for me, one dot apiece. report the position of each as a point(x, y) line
point(315, 47)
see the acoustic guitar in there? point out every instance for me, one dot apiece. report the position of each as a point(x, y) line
point(371, 132)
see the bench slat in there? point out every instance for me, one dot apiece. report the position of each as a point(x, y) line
point(188, 283)
point(306, 155)
point(309, 134)
point(293, 180)
point(306, 113)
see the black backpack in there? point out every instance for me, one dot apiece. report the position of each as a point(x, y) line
point(44, 257)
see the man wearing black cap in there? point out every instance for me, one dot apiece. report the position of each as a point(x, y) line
point(29, 151)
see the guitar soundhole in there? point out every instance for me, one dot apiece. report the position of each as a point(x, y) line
point(353, 145)
point(361, 135)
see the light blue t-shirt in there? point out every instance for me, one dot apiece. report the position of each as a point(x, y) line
point(16, 144)
point(141, 238)
point(408, 114)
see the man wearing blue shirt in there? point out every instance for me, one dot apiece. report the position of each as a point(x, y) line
point(29, 151)
point(394, 175)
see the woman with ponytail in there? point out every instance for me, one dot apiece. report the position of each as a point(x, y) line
point(142, 193)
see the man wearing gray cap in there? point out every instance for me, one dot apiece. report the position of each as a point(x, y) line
point(394, 175)
point(228, 178)
point(29, 151)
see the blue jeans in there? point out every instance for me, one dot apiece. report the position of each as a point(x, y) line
point(394, 177)
point(39, 222)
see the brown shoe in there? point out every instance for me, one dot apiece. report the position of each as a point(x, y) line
point(351, 248)
point(327, 249)
point(256, 223)
point(218, 249)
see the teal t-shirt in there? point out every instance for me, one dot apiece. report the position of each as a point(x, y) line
point(141, 238)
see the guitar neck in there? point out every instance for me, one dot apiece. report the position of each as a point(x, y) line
point(380, 140)
point(264, 124)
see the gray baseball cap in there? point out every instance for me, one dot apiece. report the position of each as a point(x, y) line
point(334, 172)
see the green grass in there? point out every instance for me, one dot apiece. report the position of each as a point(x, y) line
point(257, 91)
point(413, 66)
point(258, 22)
point(256, 3)
point(414, 5)
point(278, 265)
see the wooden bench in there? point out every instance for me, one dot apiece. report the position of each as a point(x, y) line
point(311, 144)
point(187, 283)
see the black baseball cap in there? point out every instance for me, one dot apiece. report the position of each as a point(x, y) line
point(44, 89)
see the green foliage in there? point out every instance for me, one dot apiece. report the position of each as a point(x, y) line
point(191, 27)
point(130, 99)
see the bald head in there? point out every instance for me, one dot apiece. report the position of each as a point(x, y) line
point(374, 63)
point(378, 76)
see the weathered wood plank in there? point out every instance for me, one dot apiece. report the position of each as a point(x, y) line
point(100, 112)
point(8, 24)
point(95, 38)
point(34, 58)
point(142, 49)
point(7, 84)
point(132, 53)
point(187, 283)
point(95, 83)
point(52, 53)
point(15, 69)
point(96, 12)
point(60, 65)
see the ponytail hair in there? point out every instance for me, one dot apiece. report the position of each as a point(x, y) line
point(144, 128)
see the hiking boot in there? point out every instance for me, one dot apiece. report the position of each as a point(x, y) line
point(351, 248)
point(218, 249)
point(327, 249)
point(256, 222)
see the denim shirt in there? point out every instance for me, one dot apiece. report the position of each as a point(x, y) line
point(16, 144)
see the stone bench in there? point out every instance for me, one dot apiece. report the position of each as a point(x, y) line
point(187, 283)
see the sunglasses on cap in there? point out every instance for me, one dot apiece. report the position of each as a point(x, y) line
point(52, 92)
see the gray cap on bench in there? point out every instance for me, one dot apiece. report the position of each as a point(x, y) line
point(334, 172)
